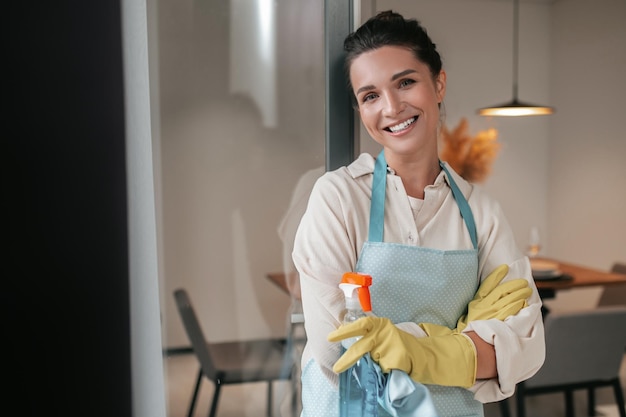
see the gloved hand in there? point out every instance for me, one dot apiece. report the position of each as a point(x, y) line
point(492, 301)
point(448, 360)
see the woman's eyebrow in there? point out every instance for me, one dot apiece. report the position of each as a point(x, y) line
point(402, 74)
point(364, 88)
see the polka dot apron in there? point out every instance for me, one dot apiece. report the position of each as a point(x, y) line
point(410, 284)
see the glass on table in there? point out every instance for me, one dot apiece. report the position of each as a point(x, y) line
point(534, 242)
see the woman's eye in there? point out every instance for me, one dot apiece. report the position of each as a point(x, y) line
point(369, 97)
point(407, 82)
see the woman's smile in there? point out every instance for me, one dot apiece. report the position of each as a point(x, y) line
point(402, 126)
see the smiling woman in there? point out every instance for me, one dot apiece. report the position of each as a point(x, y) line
point(438, 249)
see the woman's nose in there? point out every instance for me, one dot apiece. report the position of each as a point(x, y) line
point(393, 104)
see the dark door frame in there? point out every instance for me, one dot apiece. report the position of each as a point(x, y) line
point(340, 123)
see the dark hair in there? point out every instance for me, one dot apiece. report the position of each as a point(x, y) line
point(391, 29)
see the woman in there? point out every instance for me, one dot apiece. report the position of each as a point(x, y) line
point(428, 238)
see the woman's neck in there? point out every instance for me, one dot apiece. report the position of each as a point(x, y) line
point(416, 174)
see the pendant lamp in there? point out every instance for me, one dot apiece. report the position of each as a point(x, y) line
point(515, 107)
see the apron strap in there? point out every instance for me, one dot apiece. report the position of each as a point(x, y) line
point(377, 205)
point(466, 211)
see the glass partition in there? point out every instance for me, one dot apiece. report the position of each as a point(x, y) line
point(242, 138)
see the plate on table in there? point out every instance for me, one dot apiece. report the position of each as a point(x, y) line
point(547, 275)
point(543, 269)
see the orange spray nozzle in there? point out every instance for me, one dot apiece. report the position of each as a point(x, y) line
point(363, 282)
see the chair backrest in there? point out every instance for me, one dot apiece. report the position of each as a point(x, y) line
point(615, 294)
point(194, 332)
point(619, 267)
point(582, 346)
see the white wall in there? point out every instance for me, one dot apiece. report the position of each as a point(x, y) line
point(227, 179)
point(587, 148)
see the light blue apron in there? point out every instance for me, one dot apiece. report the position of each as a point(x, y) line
point(410, 284)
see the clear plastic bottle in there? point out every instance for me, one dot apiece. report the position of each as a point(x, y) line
point(357, 386)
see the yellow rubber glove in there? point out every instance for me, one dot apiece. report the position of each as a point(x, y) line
point(448, 360)
point(493, 300)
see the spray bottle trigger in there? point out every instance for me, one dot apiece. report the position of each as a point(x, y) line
point(362, 282)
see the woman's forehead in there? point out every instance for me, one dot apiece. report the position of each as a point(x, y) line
point(385, 62)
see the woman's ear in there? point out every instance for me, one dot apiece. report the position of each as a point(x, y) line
point(440, 86)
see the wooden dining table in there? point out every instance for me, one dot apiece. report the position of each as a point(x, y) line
point(576, 276)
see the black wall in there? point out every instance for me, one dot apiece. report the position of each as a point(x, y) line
point(65, 297)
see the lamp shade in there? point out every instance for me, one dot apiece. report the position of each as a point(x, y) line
point(516, 108)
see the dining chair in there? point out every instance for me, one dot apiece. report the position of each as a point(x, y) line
point(615, 294)
point(584, 350)
point(236, 362)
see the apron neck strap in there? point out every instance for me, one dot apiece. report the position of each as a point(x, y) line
point(466, 211)
point(377, 206)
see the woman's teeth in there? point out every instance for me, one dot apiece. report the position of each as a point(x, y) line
point(403, 125)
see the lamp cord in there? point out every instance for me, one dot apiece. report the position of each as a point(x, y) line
point(515, 46)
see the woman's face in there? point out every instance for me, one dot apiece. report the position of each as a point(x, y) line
point(398, 99)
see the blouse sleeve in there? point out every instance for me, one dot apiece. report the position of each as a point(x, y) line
point(518, 340)
point(324, 250)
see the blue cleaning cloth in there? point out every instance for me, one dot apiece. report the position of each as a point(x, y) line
point(400, 396)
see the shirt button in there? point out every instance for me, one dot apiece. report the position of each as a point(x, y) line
point(410, 237)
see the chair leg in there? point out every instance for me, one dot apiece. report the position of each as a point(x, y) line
point(269, 398)
point(569, 403)
point(294, 401)
point(619, 397)
point(216, 397)
point(504, 408)
point(520, 401)
point(591, 401)
point(194, 397)
point(294, 392)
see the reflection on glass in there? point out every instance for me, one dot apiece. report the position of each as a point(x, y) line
point(241, 88)
point(253, 55)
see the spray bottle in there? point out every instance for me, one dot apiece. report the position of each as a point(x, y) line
point(357, 385)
